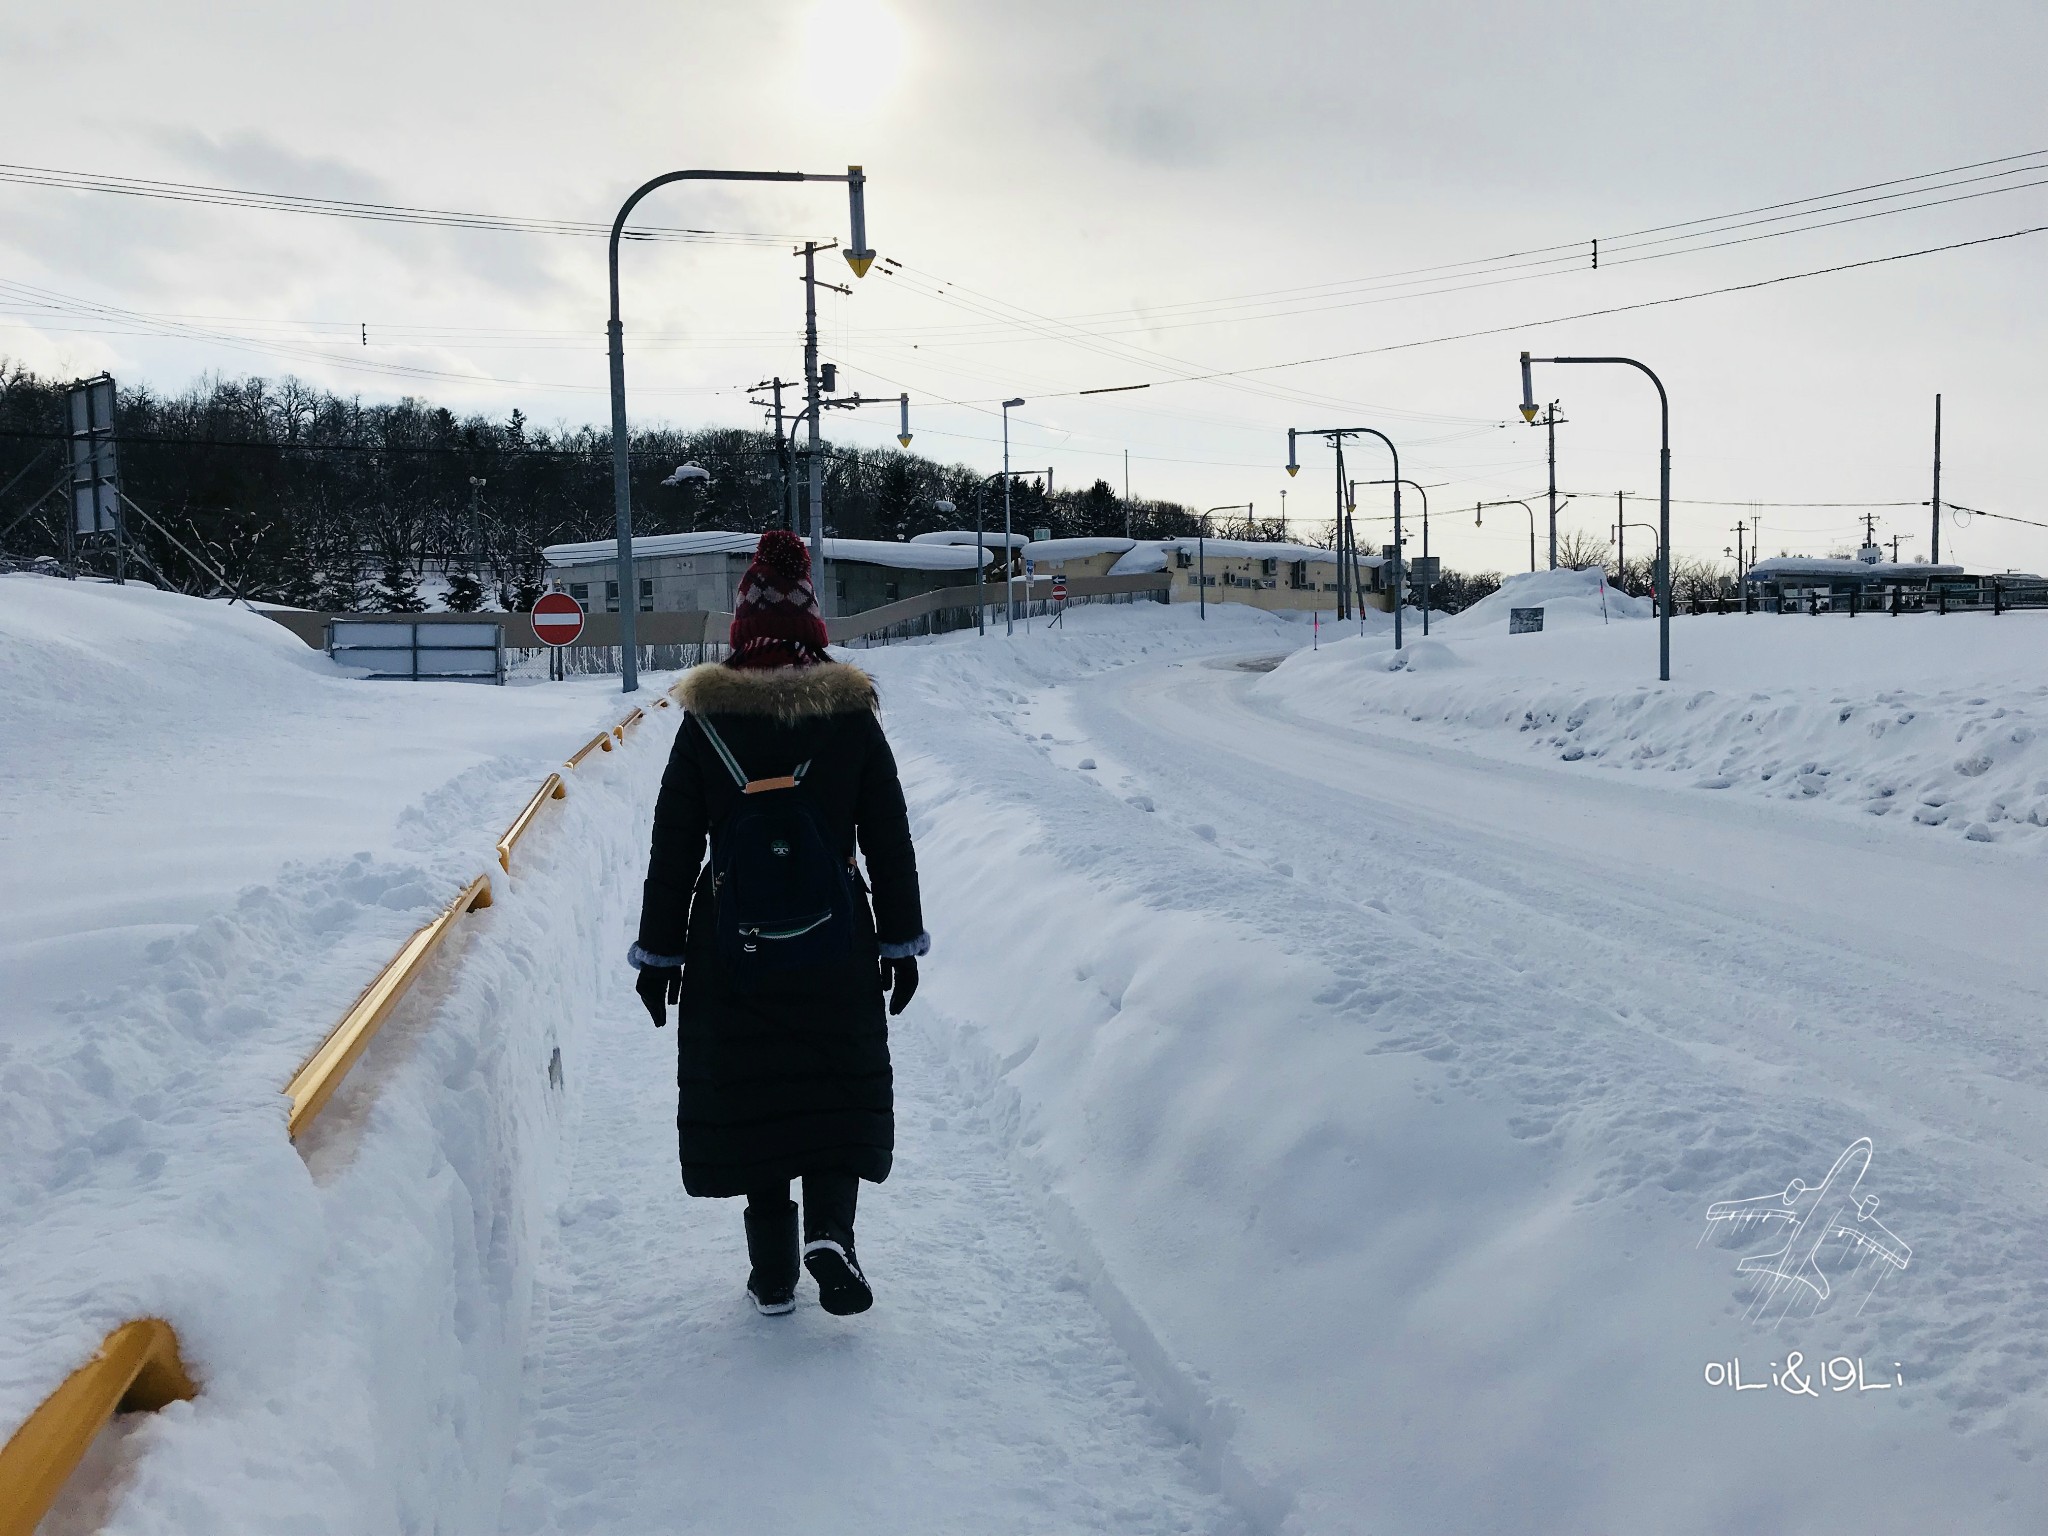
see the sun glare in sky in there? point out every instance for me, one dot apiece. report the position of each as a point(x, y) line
point(853, 54)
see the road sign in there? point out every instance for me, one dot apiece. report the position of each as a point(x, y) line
point(557, 619)
point(95, 472)
point(1525, 621)
point(1059, 588)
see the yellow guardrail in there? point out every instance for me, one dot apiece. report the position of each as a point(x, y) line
point(138, 1368)
point(314, 1083)
point(552, 789)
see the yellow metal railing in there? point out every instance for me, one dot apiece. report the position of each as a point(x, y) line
point(314, 1083)
point(138, 1368)
point(552, 789)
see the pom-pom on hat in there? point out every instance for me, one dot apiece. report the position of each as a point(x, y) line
point(776, 621)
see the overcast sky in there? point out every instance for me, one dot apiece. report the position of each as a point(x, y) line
point(1085, 196)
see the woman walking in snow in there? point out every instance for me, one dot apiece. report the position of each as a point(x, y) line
point(771, 950)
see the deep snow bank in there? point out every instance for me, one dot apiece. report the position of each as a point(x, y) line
point(1937, 720)
point(216, 840)
point(1391, 1194)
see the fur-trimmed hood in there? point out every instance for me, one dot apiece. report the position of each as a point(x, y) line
point(784, 694)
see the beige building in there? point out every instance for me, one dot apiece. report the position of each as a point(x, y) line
point(1295, 577)
point(679, 572)
point(1076, 557)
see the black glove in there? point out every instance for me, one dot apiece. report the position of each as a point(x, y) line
point(658, 986)
point(899, 980)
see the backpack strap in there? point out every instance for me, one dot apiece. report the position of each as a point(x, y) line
point(746, 785)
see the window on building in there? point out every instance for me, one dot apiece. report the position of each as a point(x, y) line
point(611, 597)
point(1297, 576)
point(839, 589)
point(647, 594)
point(1269, 567)
point(1183, 559)
point(891, 591)
point(580, 590)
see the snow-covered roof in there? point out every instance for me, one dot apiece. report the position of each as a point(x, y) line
point(651, 546)
point(1779, 567)
point(968, 536)
point(1151, 555)
point(1075, 549)
point(654, 546)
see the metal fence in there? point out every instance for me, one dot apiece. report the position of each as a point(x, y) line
point(1984, 594)
point(409, 649)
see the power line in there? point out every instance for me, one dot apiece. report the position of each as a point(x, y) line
point(2003, 517)
point(1595, 314)
point(347, 208)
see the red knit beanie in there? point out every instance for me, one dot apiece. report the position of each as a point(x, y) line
point(775, 617)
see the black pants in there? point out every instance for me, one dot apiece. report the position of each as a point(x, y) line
point(829, 1201)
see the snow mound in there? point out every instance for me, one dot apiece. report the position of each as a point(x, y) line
point(217, 839)
point(1566, 598)
point(1942, 722)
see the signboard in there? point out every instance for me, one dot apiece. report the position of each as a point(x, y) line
point(557, 619)
point(1059, 588)
point(1525, 621)
point(1425, 570)
point(95, 476)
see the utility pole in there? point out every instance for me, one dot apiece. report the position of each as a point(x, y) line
point(1934, 545)
point(782, 461)
point(1741, 532)
point(1127, 493)
point(1346, 561)
point(1896, 538)
point(1283, 512)
point(1550, 421)
point(814, 463)
point(1621, 539)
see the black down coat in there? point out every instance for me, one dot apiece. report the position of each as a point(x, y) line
point(790, 1076)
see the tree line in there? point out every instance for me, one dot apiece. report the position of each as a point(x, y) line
point(298, 495)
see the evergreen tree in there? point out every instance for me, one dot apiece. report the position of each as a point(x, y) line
point(465, 593)
point(341, 587)
point(398, 590)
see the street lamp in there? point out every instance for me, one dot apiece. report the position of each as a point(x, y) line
point(1423, 492)
point(980, 543)
point(1479, 521)
point(858, 257)
point(1336, 436)
point(1202, 553)
point(1009, 583)
point(1663, 576)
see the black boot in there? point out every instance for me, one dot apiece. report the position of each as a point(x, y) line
point(772, 1248)
point(842, 1288)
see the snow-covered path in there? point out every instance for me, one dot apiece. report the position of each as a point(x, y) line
point(982, 1393)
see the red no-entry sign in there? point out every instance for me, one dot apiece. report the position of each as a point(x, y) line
point(557, 619)
point(1059, 589)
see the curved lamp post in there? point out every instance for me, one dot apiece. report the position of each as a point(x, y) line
point(858, 257)
point(1337, 434)
point(1479, 521)
point(1422, 491)
point(1663, 575)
